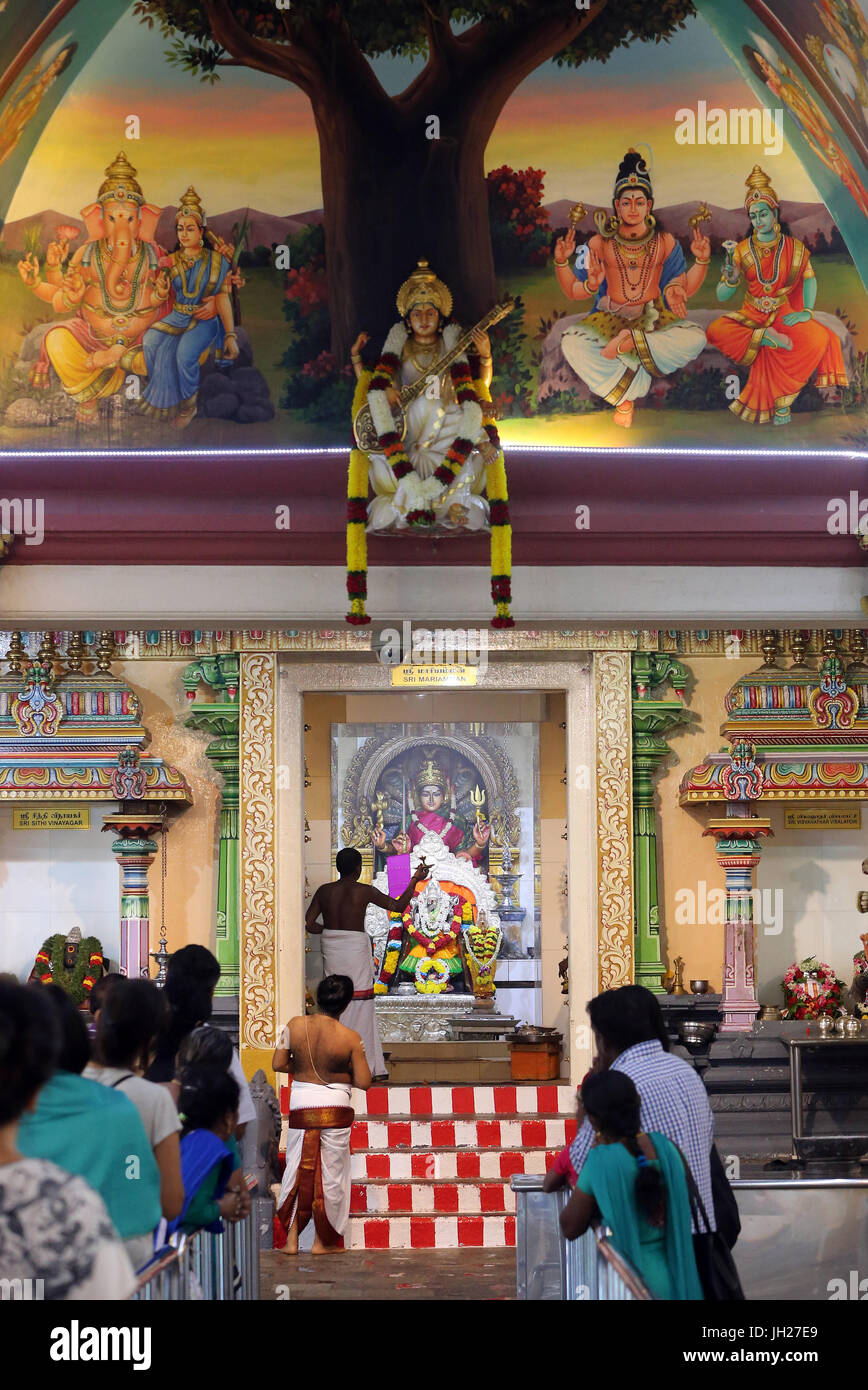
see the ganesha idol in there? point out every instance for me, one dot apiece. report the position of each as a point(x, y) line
point(110, 286)
point(447, 939)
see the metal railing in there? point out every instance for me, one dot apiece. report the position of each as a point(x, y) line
point(207, 1265)
point(552, 1268)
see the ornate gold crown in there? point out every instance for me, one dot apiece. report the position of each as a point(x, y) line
point(423, 287)
point(430, 775)
point(119, 184)
point(190, 205)
point(759, 188)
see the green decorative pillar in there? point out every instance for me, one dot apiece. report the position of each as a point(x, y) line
point(651, 719)
point(218, 716)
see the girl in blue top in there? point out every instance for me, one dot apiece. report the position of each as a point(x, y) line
point(635, 1184)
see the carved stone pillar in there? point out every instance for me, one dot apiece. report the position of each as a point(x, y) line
point(738, 845)
point(134, 851)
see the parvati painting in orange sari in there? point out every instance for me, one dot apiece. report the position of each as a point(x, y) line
point(774, 333)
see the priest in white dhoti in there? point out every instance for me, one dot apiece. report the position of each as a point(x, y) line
point(351, 953)
point(325, 1060)
point(346, 946)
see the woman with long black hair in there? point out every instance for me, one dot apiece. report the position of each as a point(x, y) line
point(636, 1184)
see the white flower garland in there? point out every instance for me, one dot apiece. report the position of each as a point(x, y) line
point(470, 426)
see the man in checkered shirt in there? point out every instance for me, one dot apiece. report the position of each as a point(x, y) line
point(631, 1037)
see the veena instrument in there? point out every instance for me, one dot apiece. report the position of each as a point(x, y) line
point(364, 430)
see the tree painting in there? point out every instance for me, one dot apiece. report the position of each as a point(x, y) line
point(403, 176)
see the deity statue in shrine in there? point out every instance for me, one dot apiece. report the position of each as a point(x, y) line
point(73, 963)
point(432, 956)
point(774, 334)
point(447, 939)
point(432, 809)
point(859, 988)
point(482, 940)
point(639, 282)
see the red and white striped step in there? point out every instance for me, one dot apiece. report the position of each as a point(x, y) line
point(477, 1133)
point(431, 1164)
point(443, 1165)
point(432, 1198)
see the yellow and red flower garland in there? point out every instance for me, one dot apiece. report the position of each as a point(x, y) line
point(466, 391)
point(78, 982)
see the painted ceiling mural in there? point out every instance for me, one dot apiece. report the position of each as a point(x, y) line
point(209, 210)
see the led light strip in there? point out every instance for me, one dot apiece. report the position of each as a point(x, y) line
point(639, 450)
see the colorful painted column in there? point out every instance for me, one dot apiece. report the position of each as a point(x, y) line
point(651, 719)
point(134, 851)
point(219, 717)
point(738, 844)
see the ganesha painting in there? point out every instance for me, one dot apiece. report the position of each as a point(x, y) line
point(132, 308)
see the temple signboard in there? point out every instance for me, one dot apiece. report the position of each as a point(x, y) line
point(824, 818)
point(428, 676)
point(51, 818)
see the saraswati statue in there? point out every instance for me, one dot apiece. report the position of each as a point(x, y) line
point(426, 441)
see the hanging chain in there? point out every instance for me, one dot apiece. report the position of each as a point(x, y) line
point(163, 879)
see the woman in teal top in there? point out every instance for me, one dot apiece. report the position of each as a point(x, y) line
point(635, 1184)
point(95, 1132)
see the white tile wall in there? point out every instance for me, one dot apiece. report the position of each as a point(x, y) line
point(818, 874)
point(51, 881)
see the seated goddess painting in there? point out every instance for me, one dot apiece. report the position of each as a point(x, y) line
point(198, 278)
point(774, 333)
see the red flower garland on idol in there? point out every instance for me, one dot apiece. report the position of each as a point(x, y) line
point(800, 1000)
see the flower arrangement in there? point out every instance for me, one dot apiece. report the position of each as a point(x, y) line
point(811, 988)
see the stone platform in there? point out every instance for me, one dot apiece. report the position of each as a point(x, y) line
point(467, 1062)
point(420, 1018)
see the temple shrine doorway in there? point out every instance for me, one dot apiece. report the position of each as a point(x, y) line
point(586, 763)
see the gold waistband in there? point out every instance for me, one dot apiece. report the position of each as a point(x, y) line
point(766, 302)
point(321, 1117)
point(186, 308)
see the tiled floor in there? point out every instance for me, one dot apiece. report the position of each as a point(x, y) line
point(392, 1274)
